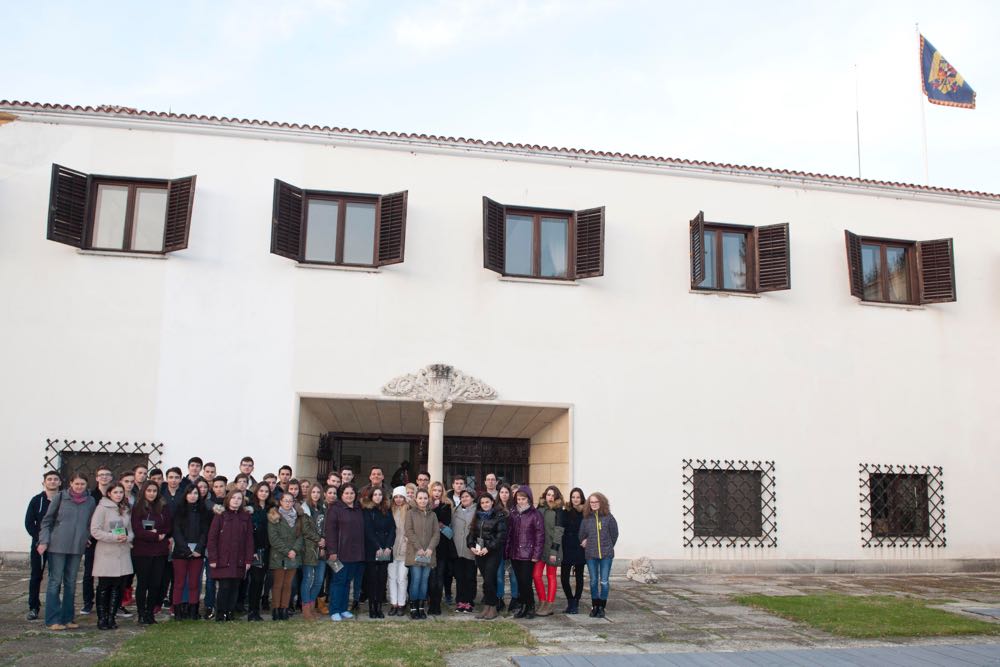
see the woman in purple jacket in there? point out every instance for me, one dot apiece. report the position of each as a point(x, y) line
point(525, 539)
point(152, 526)
point(230, 552)
point(345, 546)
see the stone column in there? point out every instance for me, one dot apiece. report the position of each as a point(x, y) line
point(438, 386)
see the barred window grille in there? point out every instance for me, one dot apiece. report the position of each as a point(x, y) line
point(729, 503)
point(68, 457)
point(901, 506)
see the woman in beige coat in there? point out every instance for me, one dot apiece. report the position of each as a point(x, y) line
point(111, 528)
point(422, 536)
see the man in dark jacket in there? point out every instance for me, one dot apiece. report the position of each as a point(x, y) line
point(37, 507)
point(402, 475)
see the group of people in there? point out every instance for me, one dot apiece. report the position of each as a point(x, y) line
point(286, 546)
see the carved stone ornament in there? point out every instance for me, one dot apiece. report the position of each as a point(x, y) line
point(438, 386)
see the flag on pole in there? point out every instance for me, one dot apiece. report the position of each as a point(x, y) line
point(942, 84)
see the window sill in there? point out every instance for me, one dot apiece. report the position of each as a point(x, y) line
point(117, 253)
point(725, 293)
point(897, 306)
point(544, 281)
point(335, 267)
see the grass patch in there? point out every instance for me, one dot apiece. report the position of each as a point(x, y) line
point(313, 643)
point(871, 616)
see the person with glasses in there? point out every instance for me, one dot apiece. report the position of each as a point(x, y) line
point(598, 535)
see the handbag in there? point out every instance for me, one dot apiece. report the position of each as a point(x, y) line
point(258, 558)
point(422, 560)
point(383, 555)
point(447, 532)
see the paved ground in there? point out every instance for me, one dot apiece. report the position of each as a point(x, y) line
point(679, 615)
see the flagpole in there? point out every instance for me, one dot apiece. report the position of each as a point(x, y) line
point(857, 118)
point(923, 117)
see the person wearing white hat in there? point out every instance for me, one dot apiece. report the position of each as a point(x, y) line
point(398, 578)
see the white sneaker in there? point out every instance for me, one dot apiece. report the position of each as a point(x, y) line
point(335, 617)
point(346, 614)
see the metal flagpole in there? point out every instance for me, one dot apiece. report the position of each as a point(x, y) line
point(923, 117)
point(857, 118)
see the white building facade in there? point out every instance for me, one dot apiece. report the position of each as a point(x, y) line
point(751, 392)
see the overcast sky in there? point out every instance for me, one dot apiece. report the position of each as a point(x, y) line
point(762, 83)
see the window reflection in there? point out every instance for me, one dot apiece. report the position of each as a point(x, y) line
point(109, 217)
point(554, 232)
point(519, 245)
point(899, 283)
point(709, 243)
point(871, 269)
point(321, 231)
point(734, 253)
point(359, 234)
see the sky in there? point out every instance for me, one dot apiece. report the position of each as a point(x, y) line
point(772, 83)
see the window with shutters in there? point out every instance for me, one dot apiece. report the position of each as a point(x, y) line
point(543, 243)
point(739, 258)
point(338, 228)
point(140, 215)
point(901, 272)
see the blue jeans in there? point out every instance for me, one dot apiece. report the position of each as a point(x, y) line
point(418, 582)
point(312, 581)
point(209, 586)
point(63, 569)
point(500, 581)
point(600, 576)
point(341, 581)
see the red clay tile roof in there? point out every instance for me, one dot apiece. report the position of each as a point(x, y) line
point(569, 152)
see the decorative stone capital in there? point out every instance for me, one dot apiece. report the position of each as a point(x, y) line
point(439, 386)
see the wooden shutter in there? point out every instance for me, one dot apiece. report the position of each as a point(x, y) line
point(69, 196)
point(391, 228)
point(590, 242)
point(854, 270)
point(773, 261)
point(286, 220)
point(494, 241)
point(180, 201)
point(698, 249)
point(936, 271)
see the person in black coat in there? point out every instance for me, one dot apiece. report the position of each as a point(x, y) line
point(261, 503)
point(191, 525)
point(574, 558)
point(487, 535)
point(441, 507)
point(37, 507)
point(380, 534)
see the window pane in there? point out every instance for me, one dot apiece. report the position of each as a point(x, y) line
point(709, 244)
point(554, 233)
point(734, 254)
point(109, 217)
point(321, 231)
point(150, 215)
point(871, 267)
point(359, 234)
point(519, 245)
point(899, 275)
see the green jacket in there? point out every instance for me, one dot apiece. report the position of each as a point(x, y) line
point(311, 535)
point(283, 539)
point(554, 521)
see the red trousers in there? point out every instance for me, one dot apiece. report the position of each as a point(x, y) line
point(545, 594)
point(187, 574)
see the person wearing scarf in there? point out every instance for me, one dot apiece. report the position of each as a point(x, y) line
point(284, 531)
point(486, 539)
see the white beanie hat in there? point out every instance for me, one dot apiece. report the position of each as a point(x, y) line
point(399, 491)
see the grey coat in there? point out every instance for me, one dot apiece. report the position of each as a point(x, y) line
point(111, 557)
point(66, 526)
point(461, 519)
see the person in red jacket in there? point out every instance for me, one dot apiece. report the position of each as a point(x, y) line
point(525, 539)
point(230, 552)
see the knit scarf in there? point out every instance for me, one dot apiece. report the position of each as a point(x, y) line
point(78, 498)
point(289, 515)
point(483, 516)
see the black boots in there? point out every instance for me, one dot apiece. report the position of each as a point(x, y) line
point(597, 608)
point(114, 602)
point(103, 600)
point(179, 612)
point(526, 611)
point(414, 610)
point(572, 606)
point(375, 610)
point(194, 612)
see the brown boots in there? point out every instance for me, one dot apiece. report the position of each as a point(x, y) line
point(544, 609)
point(488, 614)
point(307, 611)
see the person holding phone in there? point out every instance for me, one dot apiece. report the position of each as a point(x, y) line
point(345, 548)
point(380, 535)
point(486, 539)
point(422, 536)
point(111, 528)
point(152, 526)
point(230, 549)
point(190, 537)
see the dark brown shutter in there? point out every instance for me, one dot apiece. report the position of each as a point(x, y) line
point(773, 259)
point(286, 220)
point(391, 228)
point(936, 270)
point(68, 200)
point(854, 271)
point(698, 249)
point(180, 201)
point(590, 243)
point(494, 241)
